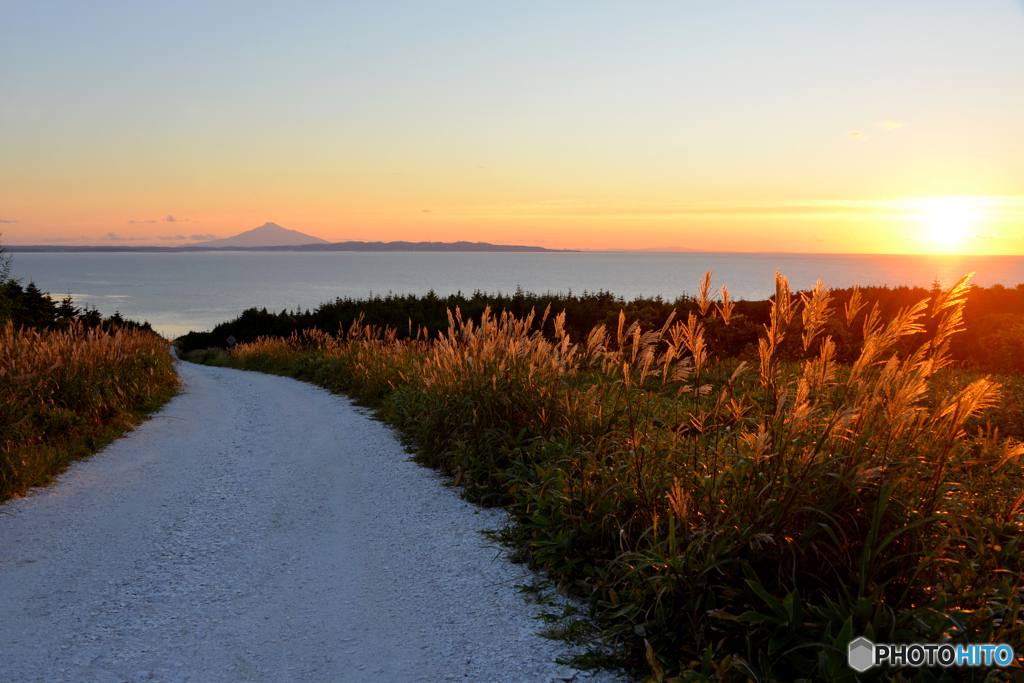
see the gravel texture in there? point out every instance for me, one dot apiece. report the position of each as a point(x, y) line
point(258, 528)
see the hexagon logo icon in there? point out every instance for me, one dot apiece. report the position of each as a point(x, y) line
point(861, 654)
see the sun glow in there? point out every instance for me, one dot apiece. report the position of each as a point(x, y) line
point(948, 220)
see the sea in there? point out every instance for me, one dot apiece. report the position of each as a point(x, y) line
point(179, 292)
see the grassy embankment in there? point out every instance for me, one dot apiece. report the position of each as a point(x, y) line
point(65, 393)
point(724, 519)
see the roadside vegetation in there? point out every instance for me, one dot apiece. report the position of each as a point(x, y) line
point(993, 339)
point(725, 515)
point(70, 382)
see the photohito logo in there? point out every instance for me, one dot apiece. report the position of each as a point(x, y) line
point(863, 654)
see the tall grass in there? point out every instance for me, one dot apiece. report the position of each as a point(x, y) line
point(65, 393)
point(725, 520)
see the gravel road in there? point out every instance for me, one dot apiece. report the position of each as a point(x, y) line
point(258, 528)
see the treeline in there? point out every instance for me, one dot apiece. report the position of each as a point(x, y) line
point(993, 340)
point(29, 307)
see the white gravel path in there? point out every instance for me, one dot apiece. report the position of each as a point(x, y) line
point(262, 529)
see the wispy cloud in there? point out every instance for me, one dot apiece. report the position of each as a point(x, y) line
point(856, 135)
point(426, 210)
point(114, 237)
point(890, 125)
point(203, 237)
point(172, 237)
point(6, 221)
point(483, 168)
point(133, 222)
point(172, 219)
point(59, 239)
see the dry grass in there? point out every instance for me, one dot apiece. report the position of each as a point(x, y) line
point(726, 522)
point(65, 393)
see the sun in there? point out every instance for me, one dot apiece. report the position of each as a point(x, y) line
point(948, 220)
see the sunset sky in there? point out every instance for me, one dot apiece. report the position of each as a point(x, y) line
point(727, 126)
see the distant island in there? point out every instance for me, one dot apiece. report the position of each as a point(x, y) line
point(267, 235)
point(333, 246)
point(272, 237)
point(330, 246)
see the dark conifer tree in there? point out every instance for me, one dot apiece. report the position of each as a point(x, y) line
point(67, 309)
point(91, 317)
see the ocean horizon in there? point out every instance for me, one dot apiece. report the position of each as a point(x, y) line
point(185, 291)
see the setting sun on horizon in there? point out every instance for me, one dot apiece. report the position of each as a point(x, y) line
point(949, 220)
point(790, 127)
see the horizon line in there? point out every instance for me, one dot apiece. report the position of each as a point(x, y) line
point(507, 248)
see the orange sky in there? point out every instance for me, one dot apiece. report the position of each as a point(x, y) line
point(849, 128)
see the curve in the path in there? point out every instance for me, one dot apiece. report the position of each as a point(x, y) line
point(259, 529)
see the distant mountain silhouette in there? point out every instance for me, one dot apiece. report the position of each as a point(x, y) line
point(329, 246)
point(267, 235)
point(272, 237)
